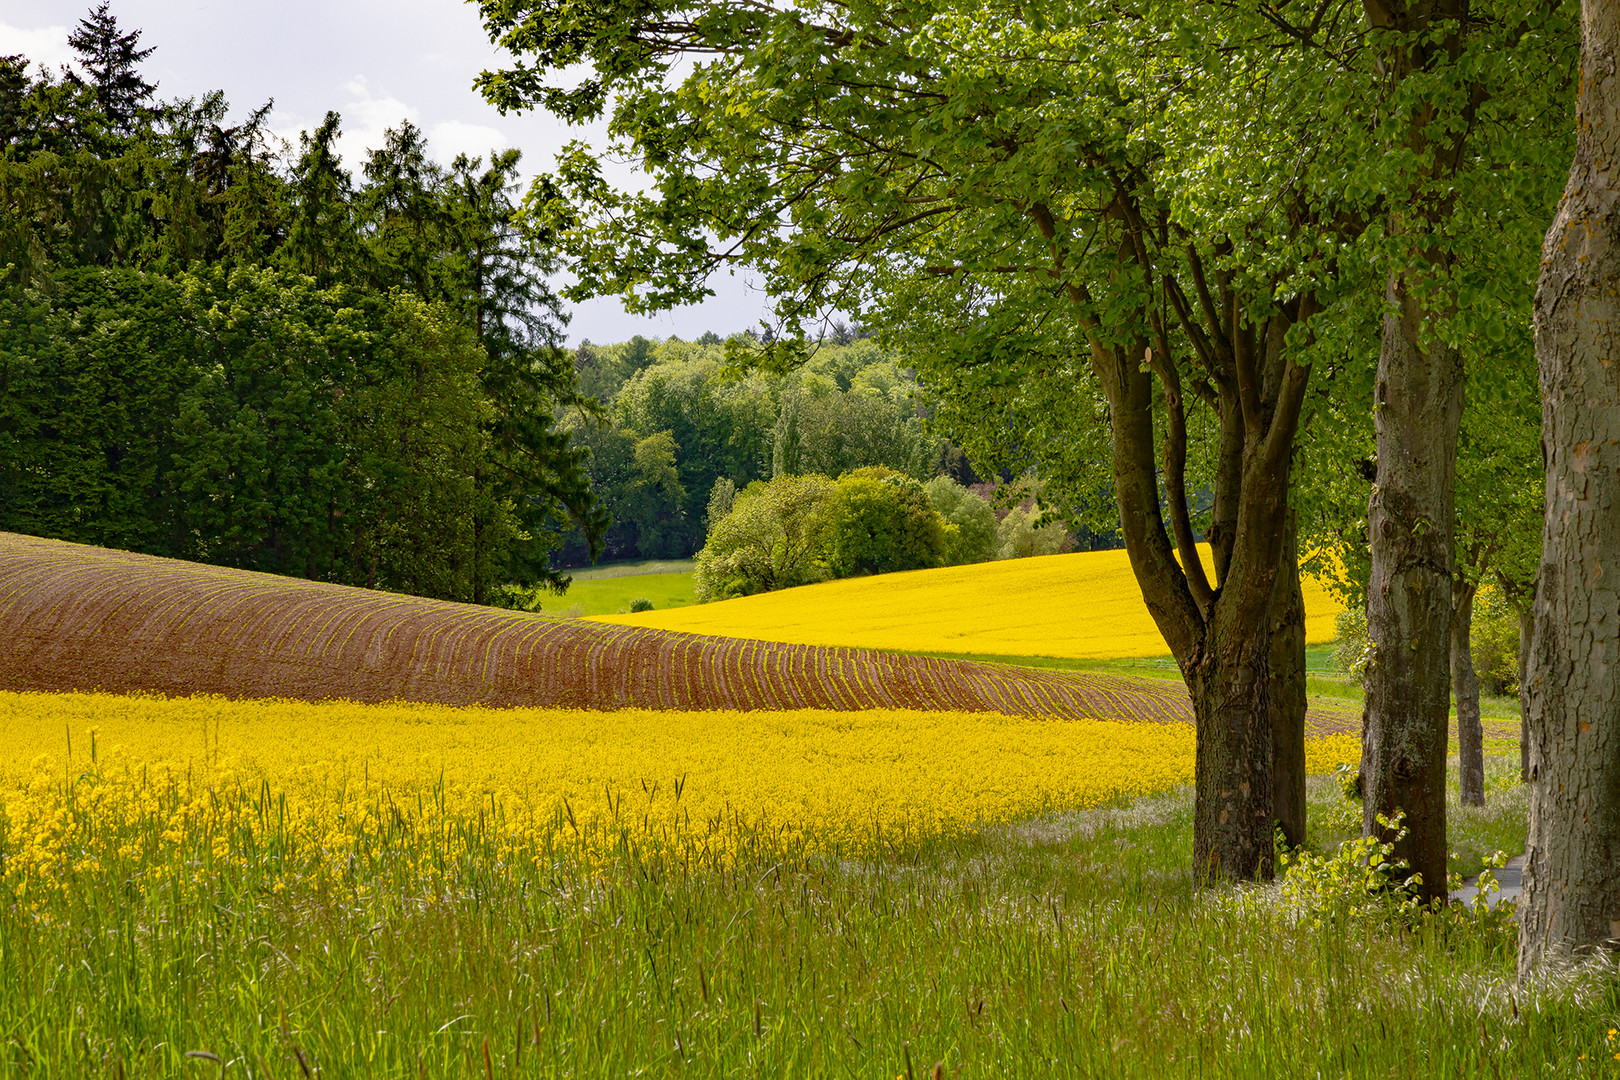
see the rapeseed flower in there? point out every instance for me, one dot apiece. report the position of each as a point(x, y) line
point(167, 792)
point(1084, 605)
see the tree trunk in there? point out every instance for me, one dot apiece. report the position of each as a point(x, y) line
point(1465, 686)
point(1418, 406)
point(1233, 803)
point(1572, 875)
point(1286, 665)
point(1417, 409)
point(1527, 625)
point(1223, 655)
point(1221, 638)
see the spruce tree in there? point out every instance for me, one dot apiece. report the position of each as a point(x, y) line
point(321, 231)
point(110, 60)
point(14, 87)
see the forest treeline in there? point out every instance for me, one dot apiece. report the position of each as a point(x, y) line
point(678, 427)
point(217, 347)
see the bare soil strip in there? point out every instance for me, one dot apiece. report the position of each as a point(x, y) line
point(85, 618)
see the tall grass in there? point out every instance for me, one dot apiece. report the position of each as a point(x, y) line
point(1072, 945)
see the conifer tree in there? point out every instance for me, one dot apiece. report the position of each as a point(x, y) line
point(13, 94)
point(111, 59)
point(321, 239)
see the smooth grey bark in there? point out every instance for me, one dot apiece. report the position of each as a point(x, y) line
point(1572, 875)
point(1286, 697)
point(1465, 688)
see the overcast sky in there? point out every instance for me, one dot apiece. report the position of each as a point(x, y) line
point(375, 62)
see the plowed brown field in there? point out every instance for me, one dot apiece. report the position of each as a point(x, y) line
point(84, 618)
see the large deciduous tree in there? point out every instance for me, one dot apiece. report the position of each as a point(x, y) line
point(1160, 209)
point(1466, 92)
point(1418, 400)
point(1041, 190)
point(1572, 876)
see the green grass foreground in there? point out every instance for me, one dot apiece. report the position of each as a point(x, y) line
point(1069, 946)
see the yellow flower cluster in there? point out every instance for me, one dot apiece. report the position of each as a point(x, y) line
point(1084, 605)
point(168, 792)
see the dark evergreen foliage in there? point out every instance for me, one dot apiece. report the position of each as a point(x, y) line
point(211, 351)
point(112, 60)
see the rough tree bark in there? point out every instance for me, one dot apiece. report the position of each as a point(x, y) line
point(1228, 665)
point(1417, 409)
point(1465, 687)
point(1527, 626)
point(1287, 693)
point(1572, 875)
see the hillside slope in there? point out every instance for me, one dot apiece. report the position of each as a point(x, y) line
point(1084, 605)
point(82, 618)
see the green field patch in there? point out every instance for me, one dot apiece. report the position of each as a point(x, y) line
point(613, 593)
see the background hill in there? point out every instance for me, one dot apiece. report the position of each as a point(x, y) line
point(82, 618)
point(1083, 605)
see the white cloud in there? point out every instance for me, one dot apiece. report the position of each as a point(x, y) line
point(47, 45)
point(451, 137)
point(366, 119)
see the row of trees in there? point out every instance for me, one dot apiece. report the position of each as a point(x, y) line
point(1180, 243)
point(217, 347)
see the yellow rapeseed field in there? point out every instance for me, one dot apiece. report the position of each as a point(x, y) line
point(1084, 605)
point(163, 791)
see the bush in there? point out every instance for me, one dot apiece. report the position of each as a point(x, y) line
point(1494, 644)
point(879, 521)
point(1021, 534)
point(975, 519)
point(773, 538)
point(641, 603)
point(1350, 650)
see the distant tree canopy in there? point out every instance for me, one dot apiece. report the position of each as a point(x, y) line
point(250, 419)
point(879, 521)
point(794, 530)
point(848, 407)
point(774, 537)
point(214, 348)
point(972, 518)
